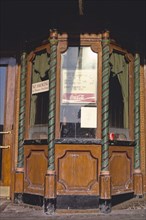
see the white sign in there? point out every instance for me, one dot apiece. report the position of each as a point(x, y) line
point(79, 86)
point(88, 117)
point(40, 87)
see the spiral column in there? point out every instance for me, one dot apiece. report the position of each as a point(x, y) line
point(50, 180)
point(20, 162)
point(52, 97)
point(19, 174)
point(105, 179)
point(105, 102)
point(138, 178)
point(137, 111)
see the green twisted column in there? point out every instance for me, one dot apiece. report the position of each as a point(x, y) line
point(105, 102)
point(20, 162)
point(137, 111)
point(52, 97)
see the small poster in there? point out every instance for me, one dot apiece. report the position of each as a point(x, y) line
point(40, 87)
point(79, 86)
point(88, 117)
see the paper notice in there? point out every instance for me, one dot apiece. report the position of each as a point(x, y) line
point(88, 117)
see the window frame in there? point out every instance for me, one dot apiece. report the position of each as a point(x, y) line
point(94, 42)
point(30, 58)
point(130, 59)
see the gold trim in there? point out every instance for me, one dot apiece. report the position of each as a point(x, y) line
point(137, 171)
point(104, 173)
point(51, 172)
point(19, 169)
point(5, 147)
point(5, 132)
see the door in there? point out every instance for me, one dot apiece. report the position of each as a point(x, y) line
point(7, 93)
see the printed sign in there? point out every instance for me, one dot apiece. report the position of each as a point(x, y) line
point(40, 87)
point(78, 98)
point(79, 86)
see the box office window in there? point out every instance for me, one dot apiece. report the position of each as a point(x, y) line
point(39, 96)
point(78, 105)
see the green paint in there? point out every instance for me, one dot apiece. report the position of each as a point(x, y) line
point(52, 101)
point(105, 105)
point(137, 111)
point(20, 163)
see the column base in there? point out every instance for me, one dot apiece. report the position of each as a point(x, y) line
point(138, 183)
point(50, 192)
point(19, 182)
point(19, 185)
point(105, 192)
point(105, 185)
point(105, 206)
point(49, 206)
point(18, 198)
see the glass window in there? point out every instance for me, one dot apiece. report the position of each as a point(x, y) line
point(78, 110)
point(3, 72)
point(115, 103)
point(119, 97)
point(39, 97)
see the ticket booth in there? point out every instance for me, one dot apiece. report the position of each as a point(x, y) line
point(78, 140)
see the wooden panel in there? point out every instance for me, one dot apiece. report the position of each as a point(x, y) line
point(121, 169)
point(35, 168)
point(77, 169)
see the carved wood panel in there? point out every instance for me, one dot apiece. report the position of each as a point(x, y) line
point(121, 169)
point(77, 169)
point(35, 165)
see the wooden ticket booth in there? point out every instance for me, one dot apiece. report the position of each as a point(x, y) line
point(78, 140)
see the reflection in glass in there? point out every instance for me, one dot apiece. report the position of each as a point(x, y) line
point(3, 71)
point(39, 99)
point(119, 96)
point(78, 89)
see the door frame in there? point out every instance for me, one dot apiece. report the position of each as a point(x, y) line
point(9, 122)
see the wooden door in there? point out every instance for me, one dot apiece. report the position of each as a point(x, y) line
point(7, 93)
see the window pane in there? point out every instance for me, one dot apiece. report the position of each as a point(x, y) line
point(119, 96)
point(115, 103)
point(39, 97)
point(3, 72)
point(78, 93)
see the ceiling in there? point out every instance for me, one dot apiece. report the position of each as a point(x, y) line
point(30, 20)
